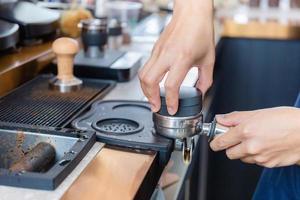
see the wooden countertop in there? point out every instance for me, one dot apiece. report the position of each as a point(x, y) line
point(23, 64)
point(112, 174)
point(258, 30)
point(24, 55)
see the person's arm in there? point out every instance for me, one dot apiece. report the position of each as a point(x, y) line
point(187, 41)
point(267, 137)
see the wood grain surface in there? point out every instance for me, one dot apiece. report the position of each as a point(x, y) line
point(255, 29)
point(24, 55)
point(111, 175)
point(23, 64)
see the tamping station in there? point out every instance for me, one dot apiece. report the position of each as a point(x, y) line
point(187, 122)
point(65, 50)
point(183, 126)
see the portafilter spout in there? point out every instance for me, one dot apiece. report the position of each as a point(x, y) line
point(187, 122)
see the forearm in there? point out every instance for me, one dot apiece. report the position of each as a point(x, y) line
point(295, 129)
point(202, 8)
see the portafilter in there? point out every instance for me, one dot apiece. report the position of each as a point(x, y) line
point(187, 122)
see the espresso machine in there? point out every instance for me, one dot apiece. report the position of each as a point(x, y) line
point(95, 60)
point(9, 35)
point(35, 22)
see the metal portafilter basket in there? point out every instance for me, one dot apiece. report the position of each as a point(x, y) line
point(187, 122)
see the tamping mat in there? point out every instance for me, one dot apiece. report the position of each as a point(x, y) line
point(125, 124)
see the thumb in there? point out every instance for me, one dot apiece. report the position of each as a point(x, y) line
point(234, 118)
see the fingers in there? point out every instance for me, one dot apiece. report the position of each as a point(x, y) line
point(237, 151)
point(249, 159)
point(250, 153)
point(241, 151)
point(236, 134)
point(175, 77)
point(234, 118)
point(145, 74)
point(260, 160)
point(158, 47)
point(147, 65)
point(226, 140)
point(269, 162)
point(150, 82)
point(143, 80)
point(205, 78)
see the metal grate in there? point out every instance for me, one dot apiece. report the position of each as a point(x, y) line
point(35, 104)
point(117, 126)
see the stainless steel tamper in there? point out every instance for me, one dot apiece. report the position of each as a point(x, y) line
point(187, 122)
point(94, 36)
point(65, 49)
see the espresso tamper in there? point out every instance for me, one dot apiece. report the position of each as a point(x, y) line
point(65, 50)
point(187, 122)
point(94, 36)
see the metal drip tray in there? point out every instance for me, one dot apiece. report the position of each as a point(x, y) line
point(34, 103)
point(125, 124)
point(70, 147)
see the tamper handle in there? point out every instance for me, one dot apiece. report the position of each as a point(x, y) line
point(65, 50)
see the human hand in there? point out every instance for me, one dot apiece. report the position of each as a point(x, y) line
point(187, 41)
point(267, 137)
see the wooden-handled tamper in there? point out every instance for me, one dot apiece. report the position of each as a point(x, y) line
point(65, 49)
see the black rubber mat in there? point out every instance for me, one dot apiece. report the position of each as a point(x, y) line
point(125, 124)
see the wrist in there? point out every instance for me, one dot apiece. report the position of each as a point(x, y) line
point(296, 119)
point(202, 8)
point(295, 125)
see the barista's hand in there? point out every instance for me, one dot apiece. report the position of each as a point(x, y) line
point(268, 137)
point(187, 41)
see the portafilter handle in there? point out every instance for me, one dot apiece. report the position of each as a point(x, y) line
point(211, 130)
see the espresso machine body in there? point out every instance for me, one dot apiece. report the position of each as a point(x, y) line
point(34, 21)
point(9, 35)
